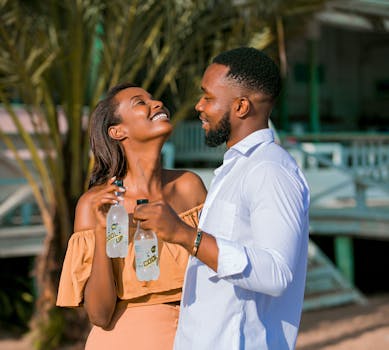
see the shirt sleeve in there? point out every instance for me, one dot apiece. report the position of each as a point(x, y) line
point(278, 208)
point(76, 269)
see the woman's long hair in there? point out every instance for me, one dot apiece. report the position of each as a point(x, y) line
point(109, 156)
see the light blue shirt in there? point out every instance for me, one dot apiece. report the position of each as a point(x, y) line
point(257, 209)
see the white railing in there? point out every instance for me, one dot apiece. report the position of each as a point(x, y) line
point(342, 175)
point(370, 158)
point(367, 158)
point(337, 165)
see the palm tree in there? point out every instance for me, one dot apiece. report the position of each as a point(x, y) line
point(58, 58)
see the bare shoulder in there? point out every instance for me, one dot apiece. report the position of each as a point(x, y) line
point(187, 184)
point(84, 218)
point(84, 200)
point(187, 180)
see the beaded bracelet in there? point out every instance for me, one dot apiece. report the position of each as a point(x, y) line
point(197, 242)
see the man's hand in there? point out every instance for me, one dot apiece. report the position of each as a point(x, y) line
point(163, 220)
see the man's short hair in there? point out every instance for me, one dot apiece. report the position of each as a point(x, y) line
point(252, 69)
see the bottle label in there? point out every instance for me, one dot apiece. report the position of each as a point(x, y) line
point(146, 254)
point(115, 233)
point(149, 260)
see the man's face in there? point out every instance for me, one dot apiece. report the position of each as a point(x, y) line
point(214, 105)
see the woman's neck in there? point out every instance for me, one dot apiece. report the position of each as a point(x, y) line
point(144, 174)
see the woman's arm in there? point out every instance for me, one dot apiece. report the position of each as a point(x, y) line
point(100, 292)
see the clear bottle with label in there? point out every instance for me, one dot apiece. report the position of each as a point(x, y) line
point(117, 228)
point(146, 252)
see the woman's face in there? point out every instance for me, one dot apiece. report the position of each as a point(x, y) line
point(142, 117)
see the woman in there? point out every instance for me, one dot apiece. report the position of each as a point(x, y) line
point(127, 131)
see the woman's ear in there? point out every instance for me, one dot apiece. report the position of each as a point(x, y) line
point(242, 107)
point(116, 132)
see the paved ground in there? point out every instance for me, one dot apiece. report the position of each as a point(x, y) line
point(350, 327)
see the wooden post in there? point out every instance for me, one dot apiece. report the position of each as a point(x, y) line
point(344, 257)
point(26, 212)
point(284, 119)
point(314, 104)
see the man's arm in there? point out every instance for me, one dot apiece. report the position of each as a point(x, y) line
point(162, 219)
point(277, 202)
point(278, 209)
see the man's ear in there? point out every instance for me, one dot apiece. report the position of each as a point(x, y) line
point(116, 132)
point(242, 107)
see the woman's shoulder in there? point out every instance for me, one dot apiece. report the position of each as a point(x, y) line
point(84, 218)
point(87, 196)
point(182, 175)
point(187, 187)
point(84, 199)
point(185, 179)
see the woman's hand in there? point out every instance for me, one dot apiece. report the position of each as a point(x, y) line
point(102, 197)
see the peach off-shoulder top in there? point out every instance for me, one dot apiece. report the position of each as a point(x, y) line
point(78, 263)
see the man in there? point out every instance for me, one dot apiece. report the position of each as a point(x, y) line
point(245, 281)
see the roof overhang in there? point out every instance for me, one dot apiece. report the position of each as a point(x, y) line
point(370, 15)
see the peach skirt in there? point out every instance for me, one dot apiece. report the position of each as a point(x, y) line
point(147, 327)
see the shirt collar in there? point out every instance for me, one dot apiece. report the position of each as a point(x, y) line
point(252, 140)
point(244, 146)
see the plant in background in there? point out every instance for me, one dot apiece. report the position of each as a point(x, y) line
point(16, 296)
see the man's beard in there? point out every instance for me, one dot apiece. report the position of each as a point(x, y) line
point(221, 133)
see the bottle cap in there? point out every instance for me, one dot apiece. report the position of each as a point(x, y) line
point(142, 201)
point(118, 183)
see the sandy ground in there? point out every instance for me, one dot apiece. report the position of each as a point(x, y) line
point(348, 327)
